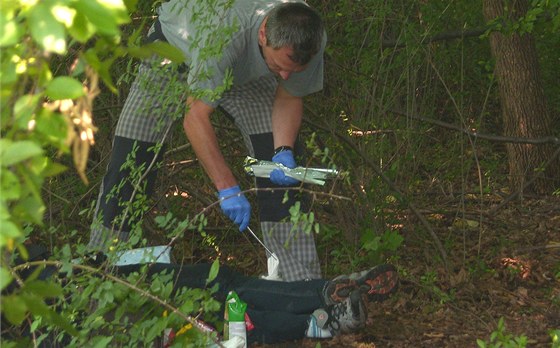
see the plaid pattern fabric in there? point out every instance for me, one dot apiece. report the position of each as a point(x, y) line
point(250, 105)
point(156, 99)
point(295, 250)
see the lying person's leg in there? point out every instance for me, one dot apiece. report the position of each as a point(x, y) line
point(329, 321)
point(300, 297)
point(280, 311)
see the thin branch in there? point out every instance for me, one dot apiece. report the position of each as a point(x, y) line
point(451, 35)
point(496, 138)
point(538, 247)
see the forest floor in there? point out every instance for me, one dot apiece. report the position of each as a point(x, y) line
point(506, 267)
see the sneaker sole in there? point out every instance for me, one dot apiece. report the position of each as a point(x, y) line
point(379, 283)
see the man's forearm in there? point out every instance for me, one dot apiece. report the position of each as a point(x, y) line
point(202, 137)
point(287, 114)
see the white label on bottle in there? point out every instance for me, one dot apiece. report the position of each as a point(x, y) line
point(237, 328)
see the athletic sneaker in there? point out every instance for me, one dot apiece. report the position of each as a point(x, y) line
point(344, 317)
point(376, 284)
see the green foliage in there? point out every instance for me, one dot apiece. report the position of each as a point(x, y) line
point(429, 282)
point(30, 37)
point(303, 221)
point(378, 246)
point(53, 54)
point(501, 339)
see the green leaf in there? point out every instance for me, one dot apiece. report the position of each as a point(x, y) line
point(5, 278)
point(317, 228)
point(10, 187)
point(4, 212)
point(31, 208)
point(155, 330)
point(53, 125)
point(102, 68)
point(9, 231)
point(101, 17)
point(46, 30)
point(9, 75)
point(64, 14)
point(187, 307)
point(14, 308)
point(35, 324)
point(43, 288)
point(392, 240)
point(15, 152)
point(370, 241)
point(64, 87)
point(102, 341)
point(38, 307)
point(10, 31)
point(81, 29)
point(214, 269)
point(24, 109)
point(23, 253)
point(53, 169)
point(160, 48)
point(131, 5)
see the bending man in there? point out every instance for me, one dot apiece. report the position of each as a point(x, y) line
point(275, 57)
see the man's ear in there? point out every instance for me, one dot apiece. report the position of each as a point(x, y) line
point(262, 33)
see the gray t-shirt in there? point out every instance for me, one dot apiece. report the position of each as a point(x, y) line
point(182, 24)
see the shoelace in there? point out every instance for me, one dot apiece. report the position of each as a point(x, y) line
point(335, 313)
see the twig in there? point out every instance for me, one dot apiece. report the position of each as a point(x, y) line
point(539, 247)
point(495, 138)
point(459, 34)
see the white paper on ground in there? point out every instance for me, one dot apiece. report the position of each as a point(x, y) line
point(273, 264)
point(156, 254)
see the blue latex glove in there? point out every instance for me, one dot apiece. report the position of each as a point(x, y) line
point(235, 206)
point(278, 176)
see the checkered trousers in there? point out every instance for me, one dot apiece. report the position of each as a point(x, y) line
point(295, 250)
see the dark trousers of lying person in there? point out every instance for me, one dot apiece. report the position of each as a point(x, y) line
point(279, 311)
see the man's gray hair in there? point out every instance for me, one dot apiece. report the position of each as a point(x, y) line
point(297, 26)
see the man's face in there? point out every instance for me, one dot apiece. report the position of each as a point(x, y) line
point(279, 61)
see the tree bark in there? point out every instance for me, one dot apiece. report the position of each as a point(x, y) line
point(524, 110)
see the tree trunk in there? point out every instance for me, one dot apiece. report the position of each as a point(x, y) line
point(522, 98)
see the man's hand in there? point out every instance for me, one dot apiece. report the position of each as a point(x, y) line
point(235, 206)
point(277, 176)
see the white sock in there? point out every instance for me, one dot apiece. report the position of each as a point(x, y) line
point(314, 331)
